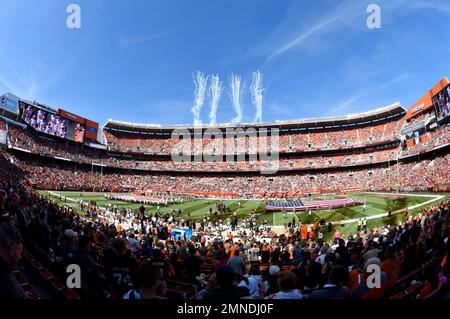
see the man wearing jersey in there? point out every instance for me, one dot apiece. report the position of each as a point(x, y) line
point(254, 254)
point(120, 268)
point(158, 260)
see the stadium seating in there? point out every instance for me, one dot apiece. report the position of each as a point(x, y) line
point(37, 144)
point(327, 161)
point(62, 176)
point(127, 142)
point(429, 141)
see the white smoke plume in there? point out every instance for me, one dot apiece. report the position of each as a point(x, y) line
point(236, 94)
point(215, 92)
point(200, 82)
point(257, 91)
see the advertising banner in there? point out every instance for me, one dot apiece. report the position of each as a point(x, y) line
point(425, 102)
point(91, 126)
point(10, 103)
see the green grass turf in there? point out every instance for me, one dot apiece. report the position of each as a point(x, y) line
point(375, 204)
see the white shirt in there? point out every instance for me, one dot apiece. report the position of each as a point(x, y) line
point(134, 245)
point(252, 286)
point(321, 259)
point(293, 294)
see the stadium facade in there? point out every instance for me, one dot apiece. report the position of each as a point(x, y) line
point(383, 149)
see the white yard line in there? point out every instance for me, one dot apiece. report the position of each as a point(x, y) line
point(273, 219)
point(350, 221)
point(260, 201)
point(435, 198)
point(324, 211)
point(71, 199)
point(347, 221)
point(341, 215)
point(402, 194)
point(361, 212)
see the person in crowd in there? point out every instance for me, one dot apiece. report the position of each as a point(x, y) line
point(147, 283)
point(323, 269)
point(120, 268)
point(90, 278)
point(133, 244)
point(226, 288)
point(11, 248)
point(336, 286)
point(272, 283)
point(367, 288)
point(287, 283)
point(236, 262)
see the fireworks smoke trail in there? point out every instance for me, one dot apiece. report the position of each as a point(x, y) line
point(236, 94)
point(215, 92)
point(200, 82)
point(257, 91)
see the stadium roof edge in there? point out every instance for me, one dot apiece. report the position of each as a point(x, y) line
point(355, 118)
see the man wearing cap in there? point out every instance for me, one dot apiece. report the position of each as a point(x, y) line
point(68, 244)
point(10, 253)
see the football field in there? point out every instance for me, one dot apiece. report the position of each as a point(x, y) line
point(345, 219)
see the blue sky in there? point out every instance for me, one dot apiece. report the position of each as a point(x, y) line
point(133, 60)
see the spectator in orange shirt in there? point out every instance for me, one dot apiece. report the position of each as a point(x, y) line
point(304, 232)
point(391, 266)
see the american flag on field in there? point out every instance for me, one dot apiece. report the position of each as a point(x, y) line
point(312, 204)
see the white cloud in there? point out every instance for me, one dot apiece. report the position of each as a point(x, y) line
point(289, 34)
point(395, 80)
point(344, 105)
point(432, 5)
point(300, 38)
point(348, 105)
point(129, 40)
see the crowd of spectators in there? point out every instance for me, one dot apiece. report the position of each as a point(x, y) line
point(295, 141)
point(140, 260)
point(417, 119)
point(415, 176)
point(426, 174)
point(432, 140)
point(79, 153)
